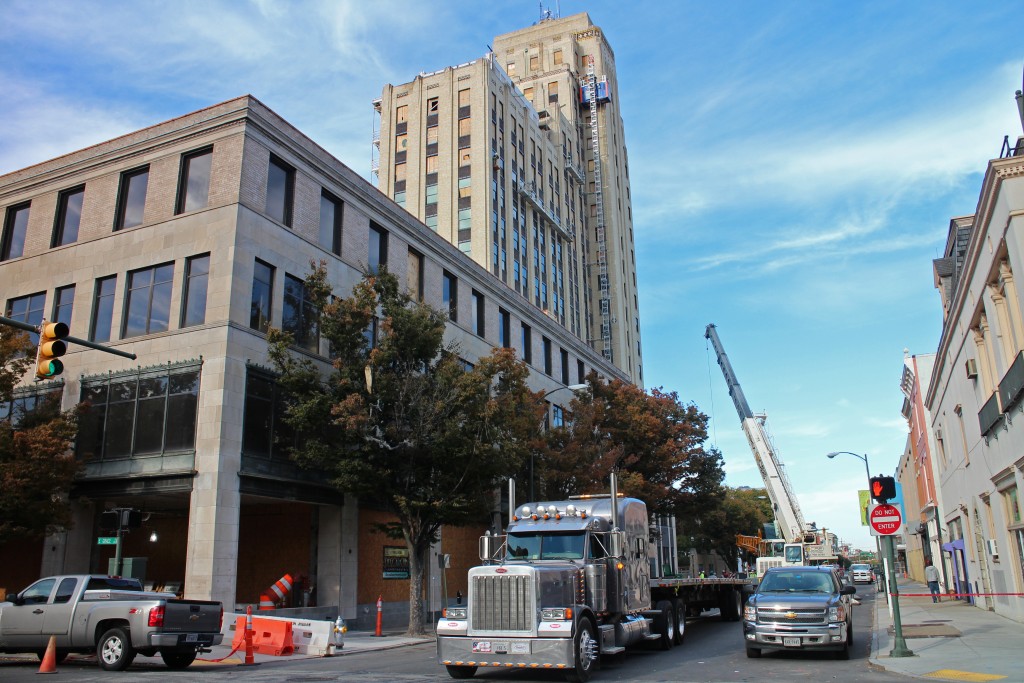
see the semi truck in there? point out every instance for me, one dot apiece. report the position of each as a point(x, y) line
point(573, 581)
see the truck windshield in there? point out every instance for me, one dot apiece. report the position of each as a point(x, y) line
point(794, 554)
point(546, 546)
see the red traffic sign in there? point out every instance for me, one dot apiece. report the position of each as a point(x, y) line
point(885, 519)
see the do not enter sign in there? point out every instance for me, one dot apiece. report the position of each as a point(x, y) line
point(885, 520)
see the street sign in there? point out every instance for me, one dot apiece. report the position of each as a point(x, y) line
point(885, 519)
point(106, 540)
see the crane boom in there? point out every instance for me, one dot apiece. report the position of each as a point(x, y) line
point(789, 519)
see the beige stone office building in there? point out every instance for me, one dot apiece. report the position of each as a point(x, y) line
point(182, 243)
point(519, 159)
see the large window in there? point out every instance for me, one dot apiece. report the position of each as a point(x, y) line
point(197, 277)
point(280, 190)
point(262, 296)
point(450, 295)
point(12, 245)
point(63, 304)
point(479, 326)
point(27, 401)
point(139, 414)
point(563, 356)
point(28, 309)
point(504, 328)
point(194, 181)
point(148, 304)
point(527, 343)
point(264, 432)
point(131, 198)
point(378, 249)
point(299, 316)
point(546, 344)
point(102, 309)
point(414, 275)
point(331, 209)
point(69, 216)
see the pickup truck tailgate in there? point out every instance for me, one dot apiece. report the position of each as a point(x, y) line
point(192, 616)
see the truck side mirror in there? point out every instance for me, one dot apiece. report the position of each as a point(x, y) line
point(490, 546)
point(616, 543)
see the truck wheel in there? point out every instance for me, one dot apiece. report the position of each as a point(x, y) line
point(680, 606)
point(461, 672)
point(178, 659)
point(665, 624)
point(115, 651)
point(754, 652)
point(585, 657)
point(844, 653)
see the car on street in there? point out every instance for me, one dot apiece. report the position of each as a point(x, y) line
point(799, 608)
point(862, 573)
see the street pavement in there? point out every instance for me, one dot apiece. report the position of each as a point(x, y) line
point(951, 640)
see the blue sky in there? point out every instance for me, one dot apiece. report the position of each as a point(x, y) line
point(794, 166)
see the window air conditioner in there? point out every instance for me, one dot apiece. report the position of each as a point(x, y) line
point(993, 547)
point(972, 368)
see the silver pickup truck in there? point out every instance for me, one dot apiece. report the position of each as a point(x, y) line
point(112, 617)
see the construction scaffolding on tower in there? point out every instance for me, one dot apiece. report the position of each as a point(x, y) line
point(604, 302)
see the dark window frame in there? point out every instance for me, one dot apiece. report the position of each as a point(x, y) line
point(527, 340)
point(34, 302)
point(450, 294)
point(262, 325)
point(151, 288)
point(504, 328)
point(188, 289)
point(7, 239)
point(547, 350)
point(287, 210)
point(59, 306)
point(124, 188)
point(380, 259)
point(479, 314)
point(59, 237)
point(305, 334)
point(98, 301)
point(184, 172)
point(336, 227)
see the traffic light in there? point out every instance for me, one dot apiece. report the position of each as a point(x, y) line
point(51, 346)
point(883, 489)
point(130, 519)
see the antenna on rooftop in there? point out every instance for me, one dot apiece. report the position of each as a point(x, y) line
point(1020, 106)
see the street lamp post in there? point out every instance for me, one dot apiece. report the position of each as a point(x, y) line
point(571, 387)
point(900, 648)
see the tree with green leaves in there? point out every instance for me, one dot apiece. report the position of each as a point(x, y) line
point(738, 511)
point(656, 442)
point(36, 465)
point(399, 419)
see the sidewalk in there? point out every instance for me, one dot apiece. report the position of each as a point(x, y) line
point(355, 641)
point(951, 640)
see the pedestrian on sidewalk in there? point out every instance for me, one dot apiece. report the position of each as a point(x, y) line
point(931, 575)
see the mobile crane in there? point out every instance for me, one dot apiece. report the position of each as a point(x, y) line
point(789, 520)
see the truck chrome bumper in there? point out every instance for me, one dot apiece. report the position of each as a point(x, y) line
point(523, 653)
point(185, 639)
point(831, 635)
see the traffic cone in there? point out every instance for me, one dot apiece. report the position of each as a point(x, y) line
point(249, 659)
point(49, 663)
point(378, 632)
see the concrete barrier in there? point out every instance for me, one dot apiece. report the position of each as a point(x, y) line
point(309, 636)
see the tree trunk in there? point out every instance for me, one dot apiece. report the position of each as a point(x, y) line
point(415, 590)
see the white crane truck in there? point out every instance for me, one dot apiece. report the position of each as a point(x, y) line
point(572, 581)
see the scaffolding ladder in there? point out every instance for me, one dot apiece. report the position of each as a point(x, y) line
point(604, 302)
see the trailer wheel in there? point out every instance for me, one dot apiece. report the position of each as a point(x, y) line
point(729, 605)
point(585, 657)
point(680, 610)
point(114, 650)
point(461, 672)
point(665, 624)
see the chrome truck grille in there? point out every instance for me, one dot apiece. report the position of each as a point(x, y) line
point(795, 617)
point(502, 603)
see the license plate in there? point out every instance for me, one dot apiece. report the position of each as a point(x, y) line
point(500, 647)
point(791, 642)
point(191, 637)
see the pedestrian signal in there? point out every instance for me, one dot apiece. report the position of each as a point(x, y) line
point(883, 489)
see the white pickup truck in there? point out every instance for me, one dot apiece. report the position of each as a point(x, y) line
point(110, 616)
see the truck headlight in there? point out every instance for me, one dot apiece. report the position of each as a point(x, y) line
point(837, 613)
point(749, 613)
point(455, 613)
point(556, 613)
